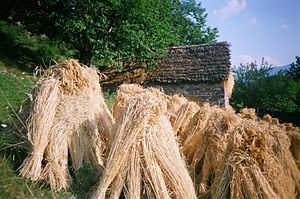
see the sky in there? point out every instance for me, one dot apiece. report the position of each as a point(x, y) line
point(257, 29)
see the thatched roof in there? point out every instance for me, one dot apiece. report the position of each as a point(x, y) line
point(194, 64)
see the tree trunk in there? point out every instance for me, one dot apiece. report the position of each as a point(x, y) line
point(85, 56)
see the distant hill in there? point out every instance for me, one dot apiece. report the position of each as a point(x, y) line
point(276, 69)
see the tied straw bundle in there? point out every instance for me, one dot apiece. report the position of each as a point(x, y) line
point(68, 114)
point(144, 159)
point(240, 155)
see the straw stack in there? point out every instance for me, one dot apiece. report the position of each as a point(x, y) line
point(240, 155)
point(182, 118)
point(39, 125)
point(294, 135)
point(144, 159)
point(174, 104)
point(68, 115)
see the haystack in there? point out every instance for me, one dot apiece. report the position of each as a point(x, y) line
point(68, 115)
point(240, 156)
point(144, 159)
point(174, 104)
point(294, 135)
point(183, 116)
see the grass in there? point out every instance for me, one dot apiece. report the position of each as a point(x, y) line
point(13, 186)
point(13, 90)
point(14, 86)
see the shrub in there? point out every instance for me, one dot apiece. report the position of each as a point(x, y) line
point(30, 50)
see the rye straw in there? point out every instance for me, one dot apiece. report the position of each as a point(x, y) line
point(68, 116)
point(175, 102)
point(144, 159)
point(240, 155)
point(294, 134)
point(182, 118)
point(40, 121)
point(229, 84)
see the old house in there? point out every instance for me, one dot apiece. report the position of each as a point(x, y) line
point(202, 71)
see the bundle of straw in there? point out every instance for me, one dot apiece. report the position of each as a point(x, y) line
point(229, 84)
point(68, 116)
point(294, 135)
point(144, 159)
point(183, 116)
point(39, 125)
point(240, 155)
point(174, 104)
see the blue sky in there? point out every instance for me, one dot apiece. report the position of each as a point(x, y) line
point(257, 28)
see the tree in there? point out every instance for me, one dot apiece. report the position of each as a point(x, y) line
point(117, 32)
point(267, 94)
point(294, 70)
point(249, 73)
point(246, 86)
point(189, 23)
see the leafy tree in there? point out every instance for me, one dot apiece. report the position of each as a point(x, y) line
point(28, 50)
point(116, 32)
point(189, 23)
point(294, 70)
point(255, 88)
point(246, 85)
point(248, 73)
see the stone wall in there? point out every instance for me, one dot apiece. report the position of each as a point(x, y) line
point(211, 92)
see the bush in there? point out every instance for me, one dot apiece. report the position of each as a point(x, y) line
point(30, 50)
point(267, 94)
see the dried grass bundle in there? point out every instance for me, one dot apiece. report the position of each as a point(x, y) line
point(71, 76)
point(240, 155)
point(229, 84)
point(294, 135)
point(183, 117)
point(144, 159)
point(174, 104)
point(39, 125)
point(68, 115)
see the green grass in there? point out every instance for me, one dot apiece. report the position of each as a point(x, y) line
point(109, 99)
point(13, 90)
point(14, 186)
point(14, 86)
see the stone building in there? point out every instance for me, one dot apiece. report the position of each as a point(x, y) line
point(200, 71)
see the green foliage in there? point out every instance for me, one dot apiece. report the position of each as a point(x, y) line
point(84, 181)
point(255, 88)
point(294, 70)
point(279, 94)
point(248, 73)
point(109, 99)
point(29, 50)
point(116, 32)
point(189, 23)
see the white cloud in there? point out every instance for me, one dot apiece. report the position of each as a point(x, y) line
point(243, 58)
point(283, 24)
point(232, 7)
point(272, 61)
point(253, 21)
point(247, 59)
